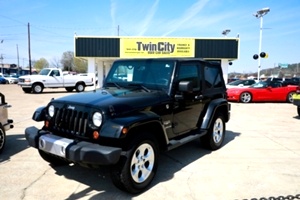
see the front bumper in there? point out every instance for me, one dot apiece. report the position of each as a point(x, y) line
point(77, 152)
point(296, 99)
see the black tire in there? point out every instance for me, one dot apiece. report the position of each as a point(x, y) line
point(216, 133)
point(2, 138)
point(27, 90)
point(245, 97)
point(69, 89)
point(135, 172)
point(80, 87)
point(53, 160)
point(289, 97)
point(298, 110)
point(37, 88)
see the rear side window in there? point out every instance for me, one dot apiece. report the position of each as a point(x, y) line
point(213, 77)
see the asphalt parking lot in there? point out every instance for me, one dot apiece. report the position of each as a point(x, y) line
point(260, 158)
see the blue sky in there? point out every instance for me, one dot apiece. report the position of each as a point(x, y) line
point(53, 24)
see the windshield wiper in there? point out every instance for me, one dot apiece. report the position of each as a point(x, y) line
point(114, 84)
point(140, 86)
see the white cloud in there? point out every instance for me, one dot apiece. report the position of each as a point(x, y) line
point(188, 15)
point(149, 18)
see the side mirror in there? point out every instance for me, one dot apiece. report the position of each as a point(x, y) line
point(185, 86)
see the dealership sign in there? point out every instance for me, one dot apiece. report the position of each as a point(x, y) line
point(156, 47)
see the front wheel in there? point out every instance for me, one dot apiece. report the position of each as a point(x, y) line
point(37, 88)
point(216, 133)
point(2, 138)
point(298, 110)
point(245, 97)
point(135, 172)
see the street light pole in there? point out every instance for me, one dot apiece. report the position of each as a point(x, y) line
point(259, 48)
point(260, 15)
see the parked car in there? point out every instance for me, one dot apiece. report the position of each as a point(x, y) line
point(241, 83)
point(54, 78)
point(10, 79)
point(5, 123)
point(3, 80)
point(262, 91)
point(286, 81)
point(296, 99)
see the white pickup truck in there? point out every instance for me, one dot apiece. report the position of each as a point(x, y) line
point(54, 78)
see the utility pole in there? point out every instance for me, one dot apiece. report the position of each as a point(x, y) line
point(18, 61)
point(29, 54)
point(1, 58)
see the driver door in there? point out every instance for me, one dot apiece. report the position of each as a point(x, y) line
point(188, 109)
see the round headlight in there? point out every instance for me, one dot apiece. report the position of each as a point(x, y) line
point(97, 119)
point(51, 110)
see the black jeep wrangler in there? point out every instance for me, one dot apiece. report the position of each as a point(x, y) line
point(145, 106)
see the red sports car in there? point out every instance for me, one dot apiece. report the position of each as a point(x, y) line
point(262, 91)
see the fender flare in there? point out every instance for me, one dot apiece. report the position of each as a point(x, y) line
point(211, 110)
point(39, 114)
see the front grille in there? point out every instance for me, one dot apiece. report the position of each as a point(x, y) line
point(21, 80)
point(70, 122)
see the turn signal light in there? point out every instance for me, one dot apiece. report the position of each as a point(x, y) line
point(96, 135)
point(124, 131)
point(46, 123)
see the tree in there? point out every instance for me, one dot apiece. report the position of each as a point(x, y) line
point(40, 64)
point(67, 61)
point(80, 65)
point(55, 62)
point(70, 63)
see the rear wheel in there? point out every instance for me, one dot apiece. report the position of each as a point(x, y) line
point(135, 172)
point(53, 160)
point(2, 138)
point(80, 87)
point(289, 97)
point(214, 138)
point(298, 110)
point(37, 88)
point(245, 97)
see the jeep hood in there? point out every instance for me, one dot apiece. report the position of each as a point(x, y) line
point(120, 100)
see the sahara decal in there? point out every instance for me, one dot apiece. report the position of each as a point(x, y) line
point(156, 47)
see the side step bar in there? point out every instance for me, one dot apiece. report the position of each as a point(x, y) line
point(176, 143)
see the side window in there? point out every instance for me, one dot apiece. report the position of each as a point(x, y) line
point(213, 78)
point(190, 72)
point(55, 73)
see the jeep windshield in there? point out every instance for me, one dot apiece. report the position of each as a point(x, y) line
point(148, 73)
